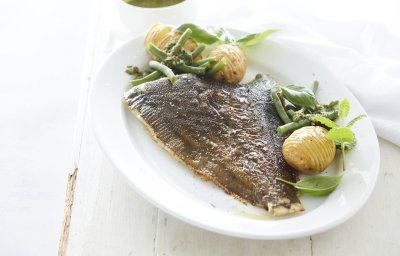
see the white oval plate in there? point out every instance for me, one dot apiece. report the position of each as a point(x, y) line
point(172, 187)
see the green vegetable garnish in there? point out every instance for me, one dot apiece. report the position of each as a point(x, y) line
point(163, 69)
point(157, 52)
point(175, 58)
point(299, 96)
point(303, 109)
point(135, 72)
point(279, 107)
point(356, 119)
point(189, 69)
point(152, 76)
point(223, 34)
point(217, 67)
point(202, 61)
point(325, 121)
point(199, 34)
point(341, 135)
point(289, 127)
point(316, 185)
point(300, 106)
point(198, 51)
point(210, 35)
point(184, 37)
point(253, 39)
point(344, 108)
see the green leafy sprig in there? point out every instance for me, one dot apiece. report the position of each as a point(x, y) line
point(176, 59)
point(316, 185)
point(210, 35)
point(253, 39)
point(343, 136)
point(296, 105)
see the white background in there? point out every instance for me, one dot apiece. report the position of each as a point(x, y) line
point(41, 58)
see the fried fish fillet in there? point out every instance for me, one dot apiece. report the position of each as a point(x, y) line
point(226, 133)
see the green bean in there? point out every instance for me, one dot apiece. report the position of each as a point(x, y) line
point(330, 106)
point(291, 113)
point(217, 67)
point(163, 69)
point(206, 65)
point(156, 51)
point(150, 77)
point(198, 50)
point(290, 106)
point(331, 115)
point(289, 127)
point(279, 108)
point(296, 117)
point(299, 114)
point(315, 87)
point(190, 69)
point(185, 36)
point(201, 62)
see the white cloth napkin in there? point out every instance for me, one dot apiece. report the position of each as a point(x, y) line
point(365, 55)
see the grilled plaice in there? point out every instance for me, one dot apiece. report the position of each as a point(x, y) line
point(226, 133)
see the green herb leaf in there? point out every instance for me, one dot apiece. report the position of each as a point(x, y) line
point(343, 156)
point(325, 121)
point(199, 34)
point(299, 96)
point(356, 119)
point(341, 134)
point(331, 106)
point(222, 34)
point(344, 108)
point(316, 185)
point(347, 145)
point(253, 39)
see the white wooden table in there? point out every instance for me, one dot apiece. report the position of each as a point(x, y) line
point(109, 218)
point(41, 59)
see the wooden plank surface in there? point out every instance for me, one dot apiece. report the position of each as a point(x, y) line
point(109, 218)
point(374, 229)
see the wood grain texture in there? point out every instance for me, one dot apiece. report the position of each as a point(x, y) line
point(374, 230)
point(108, 217)
point(111, 219)
point(69, 201)
point(175, 237)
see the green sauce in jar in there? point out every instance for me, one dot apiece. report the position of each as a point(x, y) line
point(152, 3)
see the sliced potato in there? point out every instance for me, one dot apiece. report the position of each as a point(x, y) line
point(309, 150)
point(162, 35)
point(233, 72)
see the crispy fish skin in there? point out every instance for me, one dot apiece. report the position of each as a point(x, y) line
point(226, 133)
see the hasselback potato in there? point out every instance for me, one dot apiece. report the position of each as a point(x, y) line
point(236, 63)
point(162, 35)
point(309, 150)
